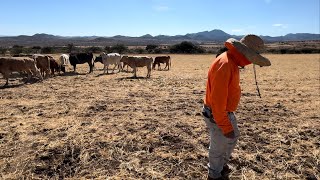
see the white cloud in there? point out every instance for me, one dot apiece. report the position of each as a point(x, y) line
point(161, 8)
point(280, 25)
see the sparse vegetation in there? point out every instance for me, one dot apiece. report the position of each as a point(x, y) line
point(311, 47)
point(3, 50)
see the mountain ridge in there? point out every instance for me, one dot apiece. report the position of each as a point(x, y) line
point(213, 36)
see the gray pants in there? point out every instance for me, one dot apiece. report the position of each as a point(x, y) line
point(221, 147)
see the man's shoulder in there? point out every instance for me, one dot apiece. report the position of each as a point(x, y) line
point(222, 59)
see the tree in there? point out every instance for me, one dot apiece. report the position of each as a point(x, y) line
point(70, 47)
point(151, 48)
point(47, 50)
point(186, 47)
point(3, 50)
point(139, 50)
point(16, 49)
point(119, 48)
point(94, 49)
point(36, 49)
point(107, 49)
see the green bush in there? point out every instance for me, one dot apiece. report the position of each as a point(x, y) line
point(119, 48)
point(3, 50)
point(186, 47)
point(94, 49)
point(47, 50)
point(151, 48)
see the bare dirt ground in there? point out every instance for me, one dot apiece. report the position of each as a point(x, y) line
point(95, 126)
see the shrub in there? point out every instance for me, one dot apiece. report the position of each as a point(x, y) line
point(70, 47)
point(139, 50)
point(47, 50)
point(187, 48)
point(3, 50)
point(16, 49)
point(151, 48)
point(119, 48)
point(94, 49)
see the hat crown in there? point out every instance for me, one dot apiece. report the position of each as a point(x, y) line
point(253, 42)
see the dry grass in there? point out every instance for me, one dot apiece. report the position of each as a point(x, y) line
point(110, 126)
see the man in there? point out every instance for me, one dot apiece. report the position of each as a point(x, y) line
point(223, 96)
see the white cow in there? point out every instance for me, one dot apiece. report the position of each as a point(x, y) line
point(111, 58)
point(64, 59)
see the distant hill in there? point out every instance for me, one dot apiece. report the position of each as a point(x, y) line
point(214, 36)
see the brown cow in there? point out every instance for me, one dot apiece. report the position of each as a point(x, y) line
point(43, 63)
point(56, 66)
point(138, 61)
point(18, 64)
point(162, 59)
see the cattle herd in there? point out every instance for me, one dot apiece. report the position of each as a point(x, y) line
point(43, 66)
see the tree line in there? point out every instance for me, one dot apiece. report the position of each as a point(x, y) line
point(184, 47)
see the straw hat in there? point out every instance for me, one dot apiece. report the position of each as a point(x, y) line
point(250, 46)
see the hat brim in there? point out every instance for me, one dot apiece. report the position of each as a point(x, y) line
point(251, 55)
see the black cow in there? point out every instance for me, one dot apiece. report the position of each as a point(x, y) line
point(81, 58)
point(98, 59)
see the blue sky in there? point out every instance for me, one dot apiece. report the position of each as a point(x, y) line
point(158, 17)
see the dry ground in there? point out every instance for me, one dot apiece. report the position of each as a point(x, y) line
point(113, 127)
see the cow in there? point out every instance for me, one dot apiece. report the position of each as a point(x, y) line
point(108, 59)
point(98, 59)
point(162, 60)
point(138, 61)
point(81, 58)
point(56, 66)
point(43, 63)
point(64, 59)
point(18, 64)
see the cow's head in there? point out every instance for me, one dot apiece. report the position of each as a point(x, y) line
point(124, 58)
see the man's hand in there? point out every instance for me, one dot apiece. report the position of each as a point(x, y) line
point(230, 135)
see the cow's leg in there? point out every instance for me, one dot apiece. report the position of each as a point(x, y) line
point(114, 67)
point(74, 67)
point(91, 67)
point(29, 77)
point(167, 65)
point(149, 71)
point(7, 82)
point(119, 66)
point(104, 68)
point(134, 71)
point(37, 73)
point(42, 73)
point(6, 76)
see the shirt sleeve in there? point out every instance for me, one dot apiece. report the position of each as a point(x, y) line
point(220, 87)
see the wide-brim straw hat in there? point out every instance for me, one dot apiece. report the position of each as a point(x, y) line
point(250, 46)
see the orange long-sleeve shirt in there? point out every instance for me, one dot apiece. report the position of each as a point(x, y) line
point(223, 86)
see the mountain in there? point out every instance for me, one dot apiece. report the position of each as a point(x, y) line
point(214, 36)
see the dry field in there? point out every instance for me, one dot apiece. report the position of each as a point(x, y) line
point(94, 126)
